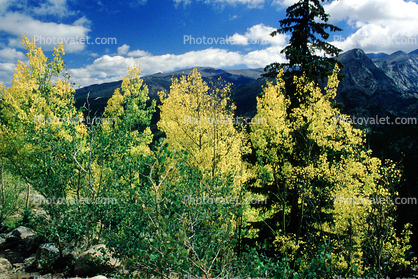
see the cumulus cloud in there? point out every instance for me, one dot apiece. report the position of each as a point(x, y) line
point(11, 54)
point(138, 53)
point(123, 49)
point(17, 20)
point(238, 39)
point(53, 7)
point(259, 34)
point(57, 8)
point(380, 26)
point(284, 3)
point(248, 3)
point(6, 72)
point(47, 34)
point(111, 68)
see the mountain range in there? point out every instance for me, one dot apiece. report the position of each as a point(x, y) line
point(374, 84)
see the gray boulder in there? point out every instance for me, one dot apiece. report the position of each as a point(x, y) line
point(46, 256)
point(19, 244)
point(95, 260)
point(5, 266)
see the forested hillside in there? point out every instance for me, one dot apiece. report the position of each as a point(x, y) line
point(287, 193)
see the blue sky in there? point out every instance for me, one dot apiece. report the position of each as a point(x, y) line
point(166, 35)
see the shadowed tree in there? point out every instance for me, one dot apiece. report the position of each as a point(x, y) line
point(307, 51)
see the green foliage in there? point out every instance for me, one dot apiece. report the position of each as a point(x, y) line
point(165, 231)
point(158, 206)
point(11, 189)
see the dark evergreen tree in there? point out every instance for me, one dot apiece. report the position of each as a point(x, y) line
point(307, 51)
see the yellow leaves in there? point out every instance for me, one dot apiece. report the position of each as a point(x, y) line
point(58, 53)
point(114, 106)
point(330, 165)
point(132, 85)
point(127, 105)
point(198, 119)
point(37, 59)
point(138, 151)
point(332, 86)
point(272, 107)
point(63, 89)
point(33, 105)
point(397, 247)
point(287, 245)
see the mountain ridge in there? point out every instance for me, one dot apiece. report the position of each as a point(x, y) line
point(382, 84)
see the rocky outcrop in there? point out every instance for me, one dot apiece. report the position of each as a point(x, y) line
point(95, 260)
point(402, 68)
point(5, 266)
point(46, 256)
point(366, 90)
point(21, 256)
point(18, 244)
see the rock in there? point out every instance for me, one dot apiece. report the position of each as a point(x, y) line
point(3, 228)
point(18, 244)
point(30, 260)
point(20, 235)
point(95, 277)
point(2, 239)
point(5, 266)
point(45, 276)
point(46, 255)
point(95, 260)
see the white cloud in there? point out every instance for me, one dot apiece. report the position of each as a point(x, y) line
point(261, 58)
point(53, 7)
point(112, 68)
point(6, 73)
point(284, 3)
point(18, 19)
point(10, 54)
point(4, 5)
point(108, 68)
point(259, 34)
point(138, 53)
point(381, 26)
point(238, 39)
point(48, 34)
point(58, 8)
point(123, 49)
point(248, 3)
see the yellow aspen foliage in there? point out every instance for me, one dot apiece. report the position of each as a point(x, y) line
point(38, 108)
point(200, 120)
point(311, 164)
